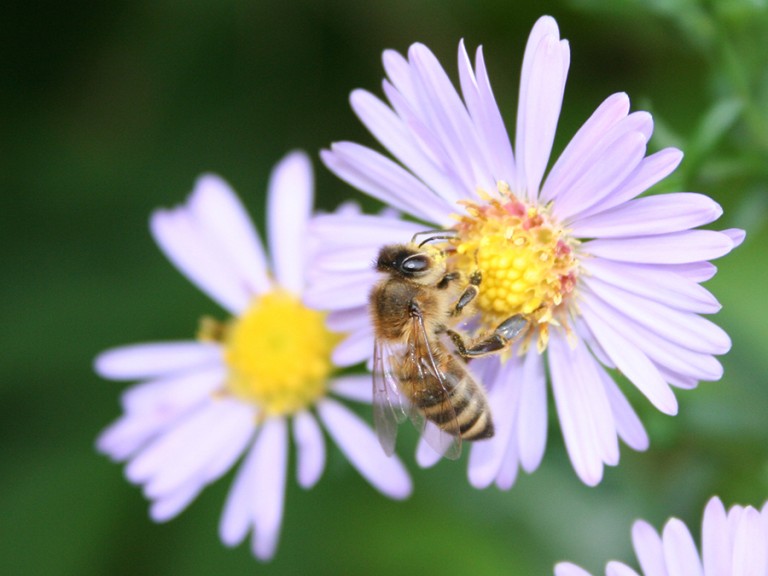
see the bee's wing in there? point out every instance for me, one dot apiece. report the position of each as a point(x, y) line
point(435, 384)
point(388, 404)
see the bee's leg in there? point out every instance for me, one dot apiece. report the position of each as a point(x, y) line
point(458, 341)
point(447, 279)
point(469, 294)
point(499, 339)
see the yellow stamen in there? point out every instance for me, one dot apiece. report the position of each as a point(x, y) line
point(526, 259)
point(278, 352)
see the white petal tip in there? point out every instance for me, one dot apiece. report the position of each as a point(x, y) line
point(479, 481)
point(736, 235)
point(399, 492)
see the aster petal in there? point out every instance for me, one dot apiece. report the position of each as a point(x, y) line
point(349, 319)
point(683, 328)
point(171, 505)
point(651, 170)
point(580, 150)
point(164, 447)
point(236, 444)
point(628, 426)
point(588, 162)
point(212, 452)
point(650, 215)
point(310, 449)
point(694, 271)
point(543, 49)
point(381, 178)
point(395, 135)
point(289, 205)
point(152, 407)
point(532, 416)
point(656, 283)
point(568, 569)
point(481, 104)
point(189, 247)
point(139, 361)
point(269, 487)
point(736, 235)
point(541, 97)
point(583, 409)
point(632, 362)
point(224, 222)
point(662, 352)
point(236, 518)
point(642, 122)
point(354, 349)
point(614, 568)
point(715, 543)
point(173, 394)
point(734, 517)
point(678, 380)
point(672, 248)
point(398, 70)
point(602, 177)
point(333, 290)
point(346, 261)
point(429, 141)
point(398, 136)
point(366, 229)
point(338, 284)
point(601, 415)
point(258, 493)
point(447, 117)
point(680, 551)
point(161, 455)
point(749, 545)
point(126, 435)
point(426, 456)
point(342, 272)
point(510, 467)
point(355, 388)
point(361, 447)
point(583, 331)
point(486, 458)
point(649, 549)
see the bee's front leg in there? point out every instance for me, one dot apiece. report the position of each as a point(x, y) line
point(469, 294)
point(447, 279)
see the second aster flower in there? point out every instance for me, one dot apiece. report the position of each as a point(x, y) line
point(609, 281)
point(245, 384)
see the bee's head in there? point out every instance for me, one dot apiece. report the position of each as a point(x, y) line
point(419, 264)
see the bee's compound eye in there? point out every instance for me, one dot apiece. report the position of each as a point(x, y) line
point(415, 263)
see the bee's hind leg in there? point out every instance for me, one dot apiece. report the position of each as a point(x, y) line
point(500, 338)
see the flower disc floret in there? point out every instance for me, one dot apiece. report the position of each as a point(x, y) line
point(526, 260)
point(279, 354)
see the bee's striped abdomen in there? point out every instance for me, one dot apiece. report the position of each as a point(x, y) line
point(461, 408)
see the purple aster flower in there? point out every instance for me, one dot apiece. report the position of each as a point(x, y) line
point(245, 384)
point(609, 282)
point(733, 543)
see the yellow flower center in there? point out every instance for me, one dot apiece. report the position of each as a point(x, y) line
point(278, 352)
point(526, 260)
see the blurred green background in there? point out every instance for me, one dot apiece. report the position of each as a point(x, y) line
point(108, 110)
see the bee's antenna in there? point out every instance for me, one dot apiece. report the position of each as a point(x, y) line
point(435, 235)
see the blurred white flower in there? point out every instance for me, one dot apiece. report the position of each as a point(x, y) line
point(243, 384)
point(733, 543)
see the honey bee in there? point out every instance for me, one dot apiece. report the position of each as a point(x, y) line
point(415, 373)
